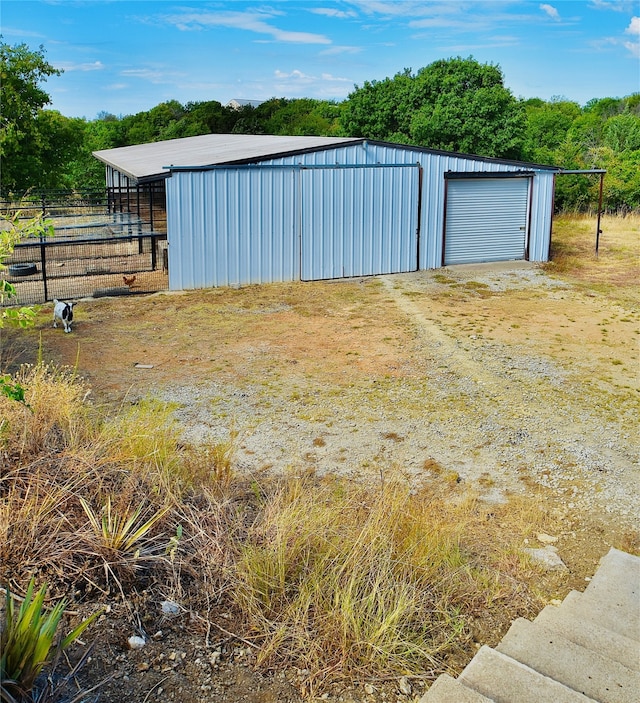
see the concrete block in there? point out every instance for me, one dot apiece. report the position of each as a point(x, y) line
point(578, 668)
point(620, 568)
point(615, 588)
point(591, 636)
point(505, 680)
point(602, 613)
point(447, 690)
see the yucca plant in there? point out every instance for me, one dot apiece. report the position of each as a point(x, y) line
point(27, 641)
point(121, 532)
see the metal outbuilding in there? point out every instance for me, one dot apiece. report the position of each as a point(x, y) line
point(254, 209)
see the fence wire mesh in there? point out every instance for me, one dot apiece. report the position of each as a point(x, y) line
point(93, 253)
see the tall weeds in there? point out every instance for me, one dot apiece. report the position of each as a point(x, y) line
point(330, 575)
point(61, 455)
point(54, 415)
point(339, 578)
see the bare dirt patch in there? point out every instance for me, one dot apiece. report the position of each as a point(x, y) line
point(499, 371)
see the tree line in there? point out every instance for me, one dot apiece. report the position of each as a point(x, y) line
point(455, 104)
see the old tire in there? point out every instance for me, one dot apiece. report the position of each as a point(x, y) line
point(22, 269)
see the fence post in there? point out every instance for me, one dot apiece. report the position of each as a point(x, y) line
point(150, 208)
point(43, 262)
point(154, 252)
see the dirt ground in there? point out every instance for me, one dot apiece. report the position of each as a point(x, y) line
point(493, 371)
point(503, 375)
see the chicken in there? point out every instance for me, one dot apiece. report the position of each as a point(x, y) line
point(129, 281)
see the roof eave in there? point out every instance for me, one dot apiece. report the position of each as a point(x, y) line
point(461, 155)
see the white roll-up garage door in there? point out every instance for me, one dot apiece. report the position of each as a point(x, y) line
point(486, 220)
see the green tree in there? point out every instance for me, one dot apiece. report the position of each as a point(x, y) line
point(22, 71)
point(547, 124)
point(454, 104)
point(380, 109)
point(605, 107)
point(57, 142)
point(209, 117)
point(622, 132)
point(249, 120)
point(462, 105)
point(301, 117)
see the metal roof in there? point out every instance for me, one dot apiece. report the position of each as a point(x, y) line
point(147, 162)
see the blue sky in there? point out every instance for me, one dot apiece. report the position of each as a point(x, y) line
point(123, 57)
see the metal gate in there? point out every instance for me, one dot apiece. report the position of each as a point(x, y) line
point(486, 219)
point(359, 220)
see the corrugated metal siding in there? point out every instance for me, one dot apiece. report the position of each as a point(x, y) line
point(242, 225)
point(432, 211)
point(359, 221)
point(232, 227)
point(541, 215)
point(486, 220)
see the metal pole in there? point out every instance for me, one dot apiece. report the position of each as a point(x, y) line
point(154, 252)
point(598, 230)
point(43, 260)
point(150, 207)
point(418, 228)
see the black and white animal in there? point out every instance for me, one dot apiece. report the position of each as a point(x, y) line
point(64, 312)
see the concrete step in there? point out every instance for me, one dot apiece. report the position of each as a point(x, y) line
point(578, 668)
point(587, 649)
point(505, 680)
point(587, 634)
point(602, 613)
point(616, 584)
point(448, 690)
point(621, 571)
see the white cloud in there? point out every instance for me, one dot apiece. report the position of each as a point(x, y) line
point(303, 84)
point(11, 32)
point(153, 75)
point(294, 74)
point(416, 9)
point(411, 8)
point(633, 47)
point(443, 22)
point(95, 66)
point(551, 11)
point(634, 26)
point(634, 29)
point(248, 21)
point(491, 43)
point(336, 50)
point(300, 75)
point(335, 79)
point(332, 12)
point(615, 5)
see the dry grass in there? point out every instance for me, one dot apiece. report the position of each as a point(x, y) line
point(54, 416)
point(338, 578)
point(57, 454)
point(329, 575)
point(617, 264)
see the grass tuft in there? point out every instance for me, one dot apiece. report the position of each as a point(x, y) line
point(337, 578)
